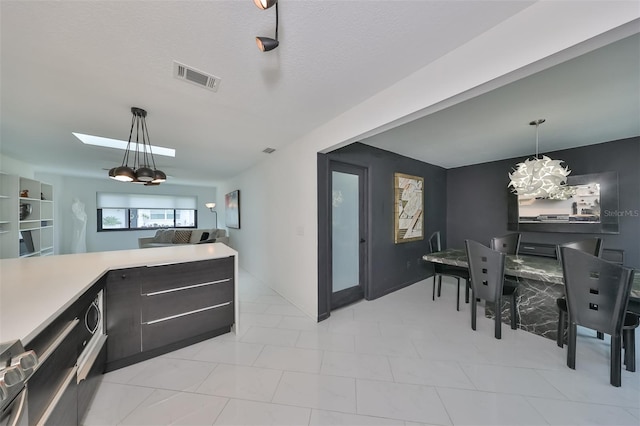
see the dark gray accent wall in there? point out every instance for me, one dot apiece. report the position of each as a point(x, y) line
point(392, 266)
point(477, 197)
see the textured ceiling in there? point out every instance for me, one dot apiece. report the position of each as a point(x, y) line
point(79, 66)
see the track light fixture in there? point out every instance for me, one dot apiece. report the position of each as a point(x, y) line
point(264, 4)
point(143, 161)
point(266, 44)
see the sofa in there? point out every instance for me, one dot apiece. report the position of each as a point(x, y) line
point(171, 237)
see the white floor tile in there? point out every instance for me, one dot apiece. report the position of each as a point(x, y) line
point(576, 413)
point(166, 373)
point(229, 352)
point(235, 381)
point(360, 366)
point(466, 407)
point(512, 380)
point(399, 359)
point(271, 336)
point(288, 310)
point(248, 319)
point(290, 359)
point(176, 408)
point(360, 328)
point(388, 345)
point(326, 341)
point(579, 387)
point(334, 418)
point(302, 324)
point(113, 402)
point(429, 372)
point(239, 412)
point(317, 391)
point(401, 401)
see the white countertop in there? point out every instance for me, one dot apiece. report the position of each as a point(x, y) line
point(34, 290)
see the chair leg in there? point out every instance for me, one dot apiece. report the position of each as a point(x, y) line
point(458, 296)
point(561, 320)
point(514, 319)
point(433, 296)
point(439, 285)
point(571, 345)
point(466, 293)
point(629, 343)
point(473, 313)
point(616, 368)
point(497, 317)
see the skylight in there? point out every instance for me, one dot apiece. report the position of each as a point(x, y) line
point(118, 144)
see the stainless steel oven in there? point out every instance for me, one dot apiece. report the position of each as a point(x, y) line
point(16, 366)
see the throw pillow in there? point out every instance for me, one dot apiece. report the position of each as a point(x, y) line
point(167, 236)
point(204, 236)
point(181, 236)
point(158, 237)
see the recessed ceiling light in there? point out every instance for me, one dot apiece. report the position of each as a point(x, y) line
point(118, 144)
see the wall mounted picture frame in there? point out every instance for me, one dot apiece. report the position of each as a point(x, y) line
point(409, 208)
point(232, 209)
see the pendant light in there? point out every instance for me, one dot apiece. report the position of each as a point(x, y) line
point(538, 177)
point(143, 169)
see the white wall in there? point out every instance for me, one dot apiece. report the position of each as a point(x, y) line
point(67, 188)
point(278, 239)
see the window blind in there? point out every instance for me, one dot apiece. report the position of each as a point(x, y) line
point(108, 200)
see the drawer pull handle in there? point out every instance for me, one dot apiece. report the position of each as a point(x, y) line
point(186, 313)
point(171, 290)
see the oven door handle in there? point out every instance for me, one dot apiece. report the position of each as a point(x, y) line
point(19, 410)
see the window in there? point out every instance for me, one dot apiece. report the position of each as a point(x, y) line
point(121, 212)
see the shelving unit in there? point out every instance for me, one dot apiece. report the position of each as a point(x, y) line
point(26, 210)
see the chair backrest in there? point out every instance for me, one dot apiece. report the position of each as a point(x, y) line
point(507, 244)
point(597, 291)
point(592, 246)
point(434, 242)
point(486, 269)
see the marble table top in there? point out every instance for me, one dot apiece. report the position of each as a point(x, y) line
point(538, 268)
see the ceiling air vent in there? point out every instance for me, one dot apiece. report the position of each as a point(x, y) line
point(268, 150)
point(197, 77)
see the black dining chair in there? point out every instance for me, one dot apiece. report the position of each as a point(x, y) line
point(592, 246)
point(486, 269)
point(598, 294)
point(440, 270)
point(507, 244)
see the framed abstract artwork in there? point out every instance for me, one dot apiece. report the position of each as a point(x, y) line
point(409, 208)
point(232, 209)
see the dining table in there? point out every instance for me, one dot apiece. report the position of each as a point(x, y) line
point(540, 282)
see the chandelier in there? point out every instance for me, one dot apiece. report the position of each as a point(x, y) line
point(539, 177)
point(143, 169)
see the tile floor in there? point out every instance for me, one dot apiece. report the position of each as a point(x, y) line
point(400, 360)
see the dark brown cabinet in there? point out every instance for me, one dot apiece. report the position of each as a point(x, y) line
point(156, 309)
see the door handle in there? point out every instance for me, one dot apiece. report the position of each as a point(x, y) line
point(362, 240)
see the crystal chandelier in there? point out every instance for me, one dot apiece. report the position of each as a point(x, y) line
point(143, 169)
point(538, 177)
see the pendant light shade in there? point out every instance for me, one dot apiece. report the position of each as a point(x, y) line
point(264, 4)
point(143, 169)
point(539, 177)
point(266, 44)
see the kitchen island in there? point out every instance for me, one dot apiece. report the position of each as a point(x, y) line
point(35, 290)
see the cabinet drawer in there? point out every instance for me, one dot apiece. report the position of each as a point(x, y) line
point(168, 303)
point(165, 277)
point(173, 330)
